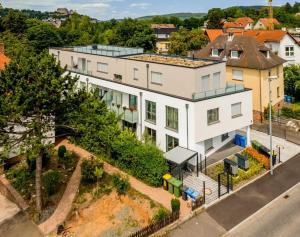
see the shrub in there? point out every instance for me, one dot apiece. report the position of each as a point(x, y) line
point(175, 205)
point(160, 215)
point(257, 156)
point(68, 160)
point(51, 180)
point(61, 151)
point(290, 113)
point(121, 184)
point(31, 160)
point(88, 168)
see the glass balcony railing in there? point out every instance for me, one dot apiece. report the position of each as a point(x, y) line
point(128, 115)
point(73, 69)
point(230, 88)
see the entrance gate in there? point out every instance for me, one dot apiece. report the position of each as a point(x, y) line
point(224, 179)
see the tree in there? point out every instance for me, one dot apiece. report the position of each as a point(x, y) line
point(186, 40)
point(215, 17)
point(292, 81)
point(14, 22)
point(31, 92)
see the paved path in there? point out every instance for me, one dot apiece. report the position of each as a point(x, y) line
point(240, 205)
point(65, 204)
point(157, 194)
point(280, 218)
point(288, 149)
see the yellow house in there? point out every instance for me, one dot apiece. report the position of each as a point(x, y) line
point(162, 33)
point(252, 64)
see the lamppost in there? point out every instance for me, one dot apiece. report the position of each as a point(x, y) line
point(270, 122)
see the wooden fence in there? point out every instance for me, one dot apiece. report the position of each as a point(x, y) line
point(152, 228)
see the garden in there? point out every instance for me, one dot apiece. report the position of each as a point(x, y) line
point(106, 205)
point(258, 164)
point(57, 169)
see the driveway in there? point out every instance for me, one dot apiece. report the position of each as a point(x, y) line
point(232, 210)
point(280, 218)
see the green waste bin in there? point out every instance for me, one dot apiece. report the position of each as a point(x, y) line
point(177, 187)
point(166, 178)
point(170, 185)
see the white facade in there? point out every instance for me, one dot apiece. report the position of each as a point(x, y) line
point(287, 48)
point(180, 88)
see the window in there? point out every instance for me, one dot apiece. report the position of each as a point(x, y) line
point(224, 137)
point(151, 111)
point(132, 102)
point(278, 92)
point(171, 142)
point(212, 116)
point(237, 74)
point(215, 53)
point(102, 67)
point(135, 73)
point(236, 110)
point(117, 77)
point(216, 80)
point(205, 83)
point(156, 78)
point(289, 51)
point(172, 118)
point(208, 145)
point(234, 54)
point(150, 135)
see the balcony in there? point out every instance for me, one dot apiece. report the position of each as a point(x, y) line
point(78, 70)
point(229, 89)
point(127, 114)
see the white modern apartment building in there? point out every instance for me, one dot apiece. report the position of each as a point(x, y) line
point(176, 101)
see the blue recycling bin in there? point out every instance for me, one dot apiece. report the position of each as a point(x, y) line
point(285, 98)
point(243, 141)
point(289, 99)
point(237, 140)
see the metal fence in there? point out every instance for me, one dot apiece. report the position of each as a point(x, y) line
point(281, 127)
point(150, 229)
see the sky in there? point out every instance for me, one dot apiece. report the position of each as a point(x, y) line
point(107, 9)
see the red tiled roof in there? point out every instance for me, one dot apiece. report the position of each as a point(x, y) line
point(3, 60)
point(266, 35)
point(268, 21)
point(244, 20)
point(213, 33)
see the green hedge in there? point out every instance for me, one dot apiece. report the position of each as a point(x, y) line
point(290, 113)
point(51, 181)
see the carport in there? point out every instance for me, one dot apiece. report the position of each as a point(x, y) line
point(178, 157)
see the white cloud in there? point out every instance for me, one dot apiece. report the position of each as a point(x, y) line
point(142, 5)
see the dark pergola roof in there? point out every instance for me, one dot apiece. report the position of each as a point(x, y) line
point(180, 155)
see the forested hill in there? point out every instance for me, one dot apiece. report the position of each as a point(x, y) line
point(180, 15)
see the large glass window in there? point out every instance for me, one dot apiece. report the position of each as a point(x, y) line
point(205, 83)
point(236, 110)
point(216, 80)
point(151, 111)
point(150, 135)
point(171, 142)
point(132, 102)
point(172, 118)
point(289, 51)
point(212, 116)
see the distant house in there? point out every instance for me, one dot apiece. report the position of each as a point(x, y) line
point(53, 21)
point(244, 23)
point(249, 63)
point(63, 12)
point(266, 23)
point(162, 33)
point(4, 60)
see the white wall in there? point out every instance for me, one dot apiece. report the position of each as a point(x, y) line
point(288, 41)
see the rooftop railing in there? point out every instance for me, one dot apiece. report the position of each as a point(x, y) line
point(229, 89)
point(78, 70)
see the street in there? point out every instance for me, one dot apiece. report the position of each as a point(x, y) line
point(280, 218)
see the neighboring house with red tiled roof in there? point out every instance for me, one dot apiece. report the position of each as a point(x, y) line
point(212, 34)
point(250, 63)
point(245, 23)
point(3, 58)
point(266, 23)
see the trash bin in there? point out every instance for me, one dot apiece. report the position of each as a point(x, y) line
point(177, 187)
point(184, 194)
point(166, 177)
point(170, 185)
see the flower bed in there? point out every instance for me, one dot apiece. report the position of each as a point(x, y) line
point(251, 152)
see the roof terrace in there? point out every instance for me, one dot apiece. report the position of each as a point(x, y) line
point(170, 60)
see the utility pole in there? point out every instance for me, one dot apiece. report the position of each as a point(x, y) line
point(270, 122)
point(271, 26)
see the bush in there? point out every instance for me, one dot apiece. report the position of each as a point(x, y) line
point(51, 181)
point(160, 215)
point(144, 161)
point(290, 113)
point(175, 205)
point(121, 184)
point(31, 160)
point(68, 160)
point(88, 168)
point(61, 151)
point(257, 156)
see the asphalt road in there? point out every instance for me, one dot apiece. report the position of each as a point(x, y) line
point(279, 219)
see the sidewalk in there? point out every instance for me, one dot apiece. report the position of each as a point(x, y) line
point(232, 210)
point(157, 194)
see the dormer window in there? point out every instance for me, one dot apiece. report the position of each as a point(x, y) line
point(215, 53)
point(268, 54)
point(234, 54)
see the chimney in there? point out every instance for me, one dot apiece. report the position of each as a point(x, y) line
point(1, 48)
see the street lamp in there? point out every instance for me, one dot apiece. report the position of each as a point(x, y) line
point(271, 78)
